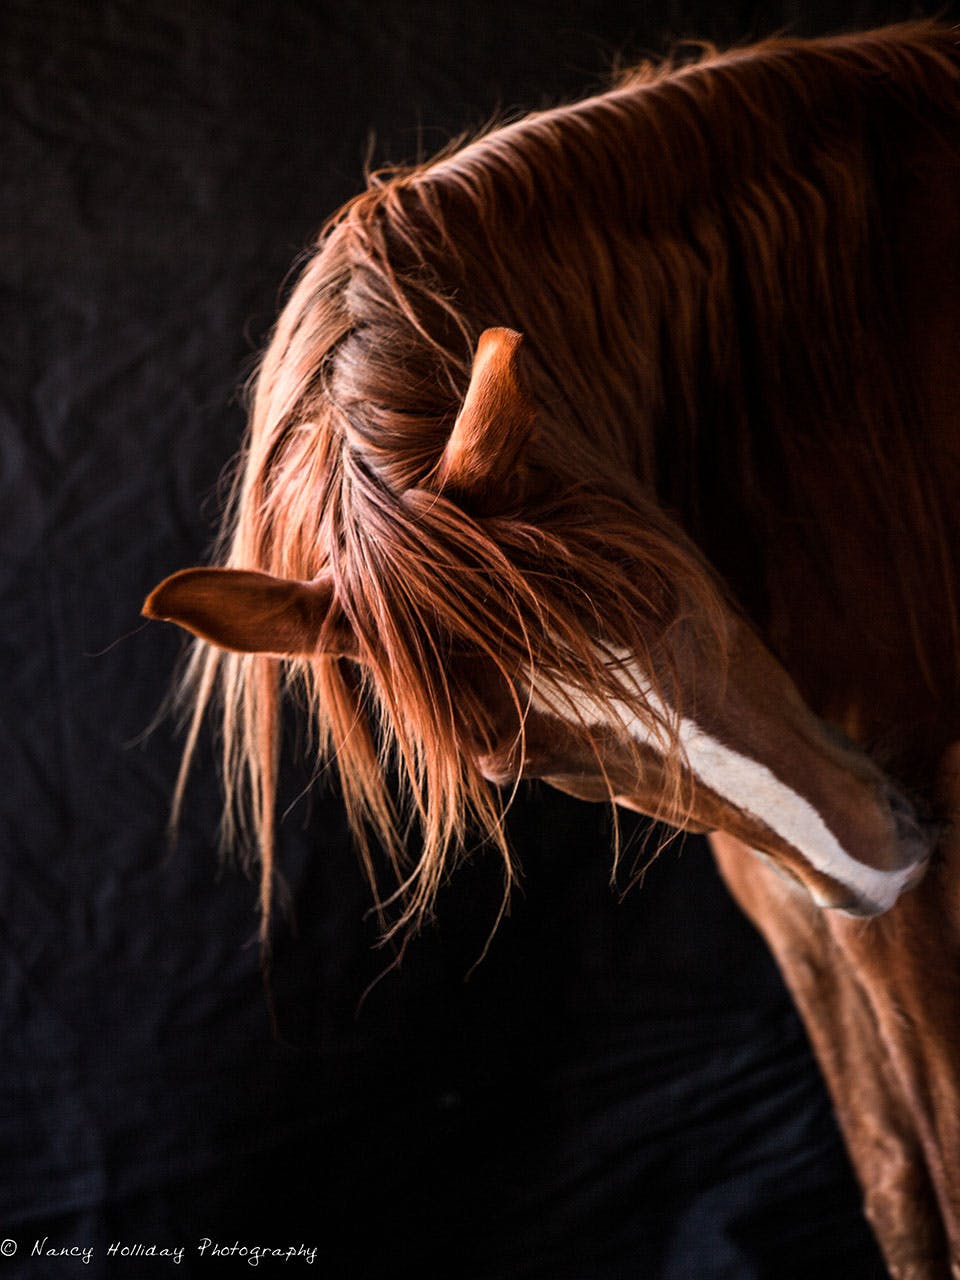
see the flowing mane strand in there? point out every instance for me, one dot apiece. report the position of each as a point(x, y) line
point(666, 249)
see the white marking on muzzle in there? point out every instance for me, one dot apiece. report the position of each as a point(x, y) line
point(750, 786)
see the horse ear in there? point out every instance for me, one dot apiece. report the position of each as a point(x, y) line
point(250, 612)
point(482, 463)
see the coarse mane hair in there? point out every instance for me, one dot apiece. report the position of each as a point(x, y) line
point(695, 263)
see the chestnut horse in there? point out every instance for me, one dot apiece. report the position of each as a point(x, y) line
point(620, 448)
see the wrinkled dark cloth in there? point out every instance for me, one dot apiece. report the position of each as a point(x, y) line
point(621, 1088)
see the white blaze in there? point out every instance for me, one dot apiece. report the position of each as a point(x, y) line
point(748, 785)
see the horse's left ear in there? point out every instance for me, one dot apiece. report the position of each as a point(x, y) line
point(248, 612)
point(482, 464)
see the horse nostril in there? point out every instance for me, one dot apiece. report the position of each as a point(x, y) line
point(907, 822)
point(899, 803)
point(917, 834)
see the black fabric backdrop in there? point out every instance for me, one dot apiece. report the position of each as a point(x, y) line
point(621, 1089)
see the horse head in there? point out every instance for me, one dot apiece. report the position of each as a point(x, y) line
point(613, 672)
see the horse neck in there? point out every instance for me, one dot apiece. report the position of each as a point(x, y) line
point(819, 573)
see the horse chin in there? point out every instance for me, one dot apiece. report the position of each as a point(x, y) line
point(861, 906)
point(842, 900)
point(864, 909)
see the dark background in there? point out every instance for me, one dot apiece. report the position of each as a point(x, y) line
point(621, 1089)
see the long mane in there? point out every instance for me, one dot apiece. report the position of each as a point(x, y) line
point(667, 249)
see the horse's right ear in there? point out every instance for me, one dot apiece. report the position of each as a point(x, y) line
point(482, 464)
point(248, 612)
